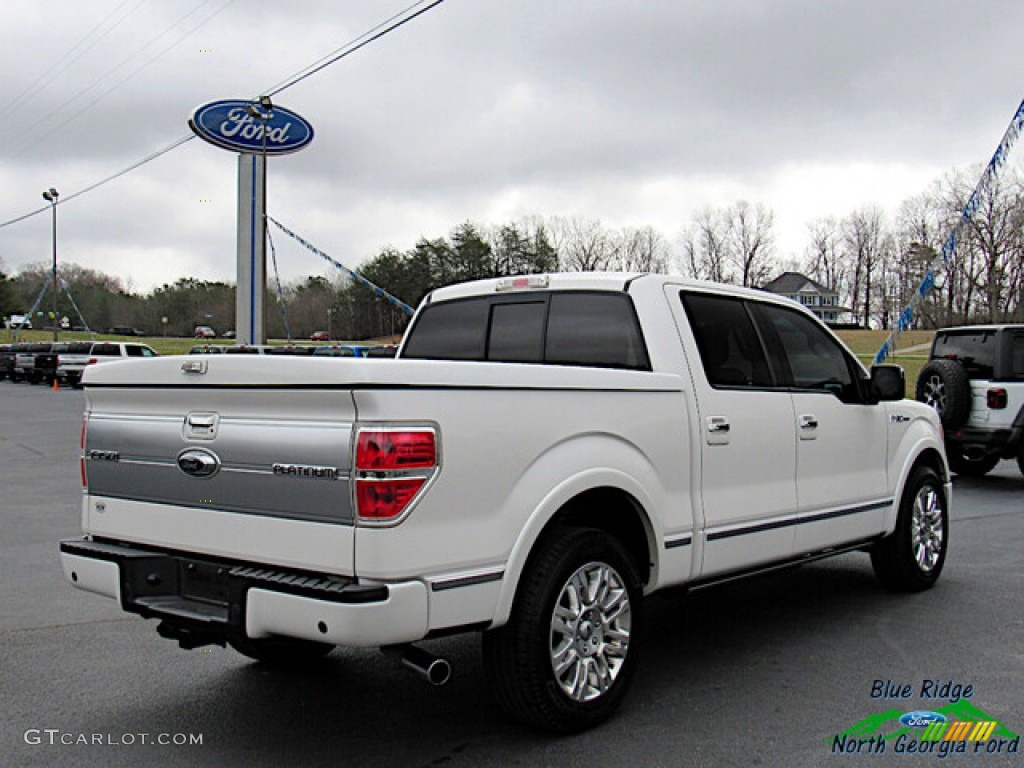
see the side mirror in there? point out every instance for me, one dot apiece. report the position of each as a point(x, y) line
point(888, 382)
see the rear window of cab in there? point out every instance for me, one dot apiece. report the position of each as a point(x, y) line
point(585, 328)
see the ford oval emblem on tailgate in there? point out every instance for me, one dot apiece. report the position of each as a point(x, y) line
point(198, 462)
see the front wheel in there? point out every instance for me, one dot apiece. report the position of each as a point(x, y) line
point(565, 659)
point(910, 559)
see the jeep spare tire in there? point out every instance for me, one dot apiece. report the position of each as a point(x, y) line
point(943, 384)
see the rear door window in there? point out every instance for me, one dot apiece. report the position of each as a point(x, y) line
point(730, 350)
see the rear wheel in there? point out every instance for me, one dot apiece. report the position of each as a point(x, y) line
point(566, 657)
point(971, 467)
point(943, 384)
point(910, 559)
point(281, 651)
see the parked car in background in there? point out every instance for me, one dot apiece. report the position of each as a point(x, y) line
point(71, 362)
point(975, 381)
point(320, 336)
point(126, 330)
point(334, 350)
point(25, 362)
point(6, 360)
point(290, 349)
point(382, 350)
point(76, 359)
point(205, 332)
point(46, 362)
point(208, 349)
point(18, 321)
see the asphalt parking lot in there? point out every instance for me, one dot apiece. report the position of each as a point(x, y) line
point(775, 671)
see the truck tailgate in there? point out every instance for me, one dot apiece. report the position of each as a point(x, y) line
point(226, 468)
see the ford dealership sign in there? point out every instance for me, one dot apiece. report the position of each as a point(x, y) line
point(237, 125)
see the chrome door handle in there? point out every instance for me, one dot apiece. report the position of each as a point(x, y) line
point(808, 422)
point(718, 424)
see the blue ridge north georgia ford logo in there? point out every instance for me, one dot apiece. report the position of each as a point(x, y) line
point(239, 125)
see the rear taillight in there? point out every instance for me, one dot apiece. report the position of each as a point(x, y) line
point(92, 361)
point(81, 461)
point(381, 450)
point(391, 468)
point(996, 399)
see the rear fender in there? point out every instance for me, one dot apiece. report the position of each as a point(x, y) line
point(627, 470)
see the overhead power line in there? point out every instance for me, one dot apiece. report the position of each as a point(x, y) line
point(50, 120)
point(389, 25)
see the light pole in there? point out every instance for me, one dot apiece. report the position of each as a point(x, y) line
point(51, 196)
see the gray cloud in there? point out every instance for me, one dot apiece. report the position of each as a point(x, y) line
point(614, 110)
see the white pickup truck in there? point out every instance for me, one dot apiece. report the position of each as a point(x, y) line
point(545, 453)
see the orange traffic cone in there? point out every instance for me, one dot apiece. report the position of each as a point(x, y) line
point(56, 384)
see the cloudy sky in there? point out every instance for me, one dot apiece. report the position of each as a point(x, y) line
point(632, 112)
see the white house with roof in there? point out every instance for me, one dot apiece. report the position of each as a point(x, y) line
point(822, 301)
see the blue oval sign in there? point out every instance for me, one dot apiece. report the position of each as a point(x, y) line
point(922, 718)
point(240, 126)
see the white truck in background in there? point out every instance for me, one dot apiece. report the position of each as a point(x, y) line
point(545, 453)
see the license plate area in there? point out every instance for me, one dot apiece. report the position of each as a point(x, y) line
point(206, 582)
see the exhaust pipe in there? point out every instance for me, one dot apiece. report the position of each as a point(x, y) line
point(435, 669)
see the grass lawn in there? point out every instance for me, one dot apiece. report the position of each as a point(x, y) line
point(912, 349)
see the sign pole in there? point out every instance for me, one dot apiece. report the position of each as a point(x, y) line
point(252, 253)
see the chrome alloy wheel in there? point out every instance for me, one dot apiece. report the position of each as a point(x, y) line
point(590, 627)
point(927, 528)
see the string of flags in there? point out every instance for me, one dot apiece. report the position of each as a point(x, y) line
point(941, 261)
point(380, 292)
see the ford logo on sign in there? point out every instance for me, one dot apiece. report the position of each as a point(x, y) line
point(922, 718)
point(198, 462)
point(236, 125)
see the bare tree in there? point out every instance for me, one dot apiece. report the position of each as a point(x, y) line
point(705, 247)
point(920, 231)
point(863, 240)
point(642, 250)
point(586, 246)
point(751, 242)
point(824, 260)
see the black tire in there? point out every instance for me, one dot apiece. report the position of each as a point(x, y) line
point(910, 559)
point(944, 385)
point(597, 638)
point(968, 467)
point(281, 651)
